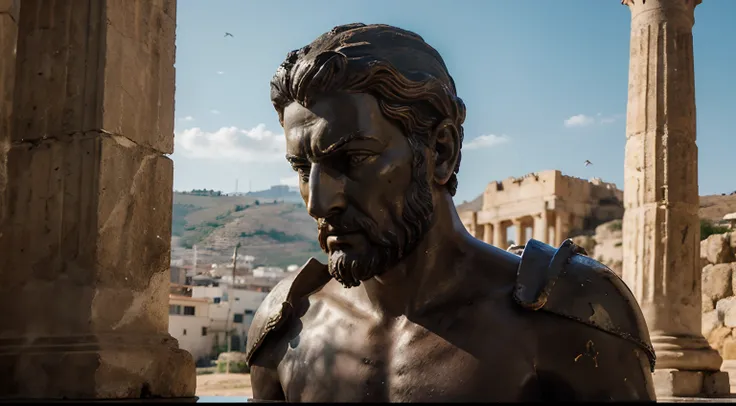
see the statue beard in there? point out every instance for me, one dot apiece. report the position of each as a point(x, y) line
point(385, 248)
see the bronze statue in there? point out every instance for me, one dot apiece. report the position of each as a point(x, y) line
point(411, 307)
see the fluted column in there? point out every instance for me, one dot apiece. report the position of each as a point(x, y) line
point(85, 242)
point(488, 233)
point(9, 10)
point(661, 231)
point(541, 227)
point(520, 231)
point(500, 239)
point(561, 227)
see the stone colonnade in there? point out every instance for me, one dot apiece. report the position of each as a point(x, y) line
point(86, 119)
point(661, 225)
point(547, 226)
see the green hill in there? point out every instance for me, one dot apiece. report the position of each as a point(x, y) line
point(276, 232)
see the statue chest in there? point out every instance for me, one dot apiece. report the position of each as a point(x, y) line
point(345, 359)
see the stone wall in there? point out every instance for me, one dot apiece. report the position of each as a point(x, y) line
point(719, 284)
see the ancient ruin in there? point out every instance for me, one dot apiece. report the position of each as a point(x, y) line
point(547, 206)
point(717, 255)
point(86, 119)
point(661, 225)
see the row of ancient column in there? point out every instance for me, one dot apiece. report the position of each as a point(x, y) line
point(548, 227)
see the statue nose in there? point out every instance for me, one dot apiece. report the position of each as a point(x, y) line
point(326, 193)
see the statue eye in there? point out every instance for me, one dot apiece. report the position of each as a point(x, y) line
point(303, 172)
point(357, 159)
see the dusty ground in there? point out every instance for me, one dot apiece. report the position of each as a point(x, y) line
point(224, 385)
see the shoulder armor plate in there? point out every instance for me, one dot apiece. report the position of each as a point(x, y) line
point(574, 286)
point(280, 302)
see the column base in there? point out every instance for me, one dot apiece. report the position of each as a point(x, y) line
point(686, 354)
point(131, 366)
point(674, 383)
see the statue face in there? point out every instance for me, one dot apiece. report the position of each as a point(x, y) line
point(359, 181)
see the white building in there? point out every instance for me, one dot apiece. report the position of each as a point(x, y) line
point(231, 309)
point(189, 323)
point(268, 272)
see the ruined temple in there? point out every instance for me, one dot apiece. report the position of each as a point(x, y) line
point(547, 206)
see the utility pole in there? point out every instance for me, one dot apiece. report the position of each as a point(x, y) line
point(194, 262)
point(229, 308)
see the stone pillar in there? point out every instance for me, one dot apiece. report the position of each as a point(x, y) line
point(661, 226)
point(474, 224)
point(500, 239)
point(520, 231)
point(488, 233)
point(541, 227)
point(86, 239)
point(561, 227)
point(9, 10)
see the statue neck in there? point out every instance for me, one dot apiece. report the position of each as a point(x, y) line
point(428, 276)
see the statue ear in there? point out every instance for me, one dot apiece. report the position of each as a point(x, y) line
point(446, 145)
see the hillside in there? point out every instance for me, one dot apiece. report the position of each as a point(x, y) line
point(276, 232)
point(279, 232)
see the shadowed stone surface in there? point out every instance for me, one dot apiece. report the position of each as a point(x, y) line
point(88, 204)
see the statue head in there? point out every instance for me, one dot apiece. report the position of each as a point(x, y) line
point(373, 127)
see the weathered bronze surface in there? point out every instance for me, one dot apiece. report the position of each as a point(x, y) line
point(411, 307)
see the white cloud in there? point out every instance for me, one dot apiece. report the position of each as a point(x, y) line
point(292, 181)
point(215, 111)
point(219, 72)
point(486, 141)
point(257, 145)
point(579, 120)
point(187, 118)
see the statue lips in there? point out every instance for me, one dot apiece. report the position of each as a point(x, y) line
point(342, 241)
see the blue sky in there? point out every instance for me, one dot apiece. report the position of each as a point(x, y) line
point(523, 67)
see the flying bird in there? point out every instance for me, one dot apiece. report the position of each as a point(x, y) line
point(588, 163)
point(227, 34)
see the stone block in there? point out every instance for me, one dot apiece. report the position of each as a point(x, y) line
point(89, 225)
point(717, 336)
point(10, 7)
point(726, 309)
point(708, 304)
point(131, 52)
point(100, 215)
point(96, 367)
point(717, 249)
point(717, 281)
point(728, 350)
point(139, 73)
point(711, 321)
point(671, 382)
point(716, 384)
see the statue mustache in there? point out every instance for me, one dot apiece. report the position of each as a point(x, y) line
point(350, 222)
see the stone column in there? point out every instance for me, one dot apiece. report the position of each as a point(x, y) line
point(520, 231)
point(661, 226)
point(561, 227)
point(474, 224)
point(500, 239)
point(488, 233)
point(8, 37)
point(85, 243)
point(541, 227)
